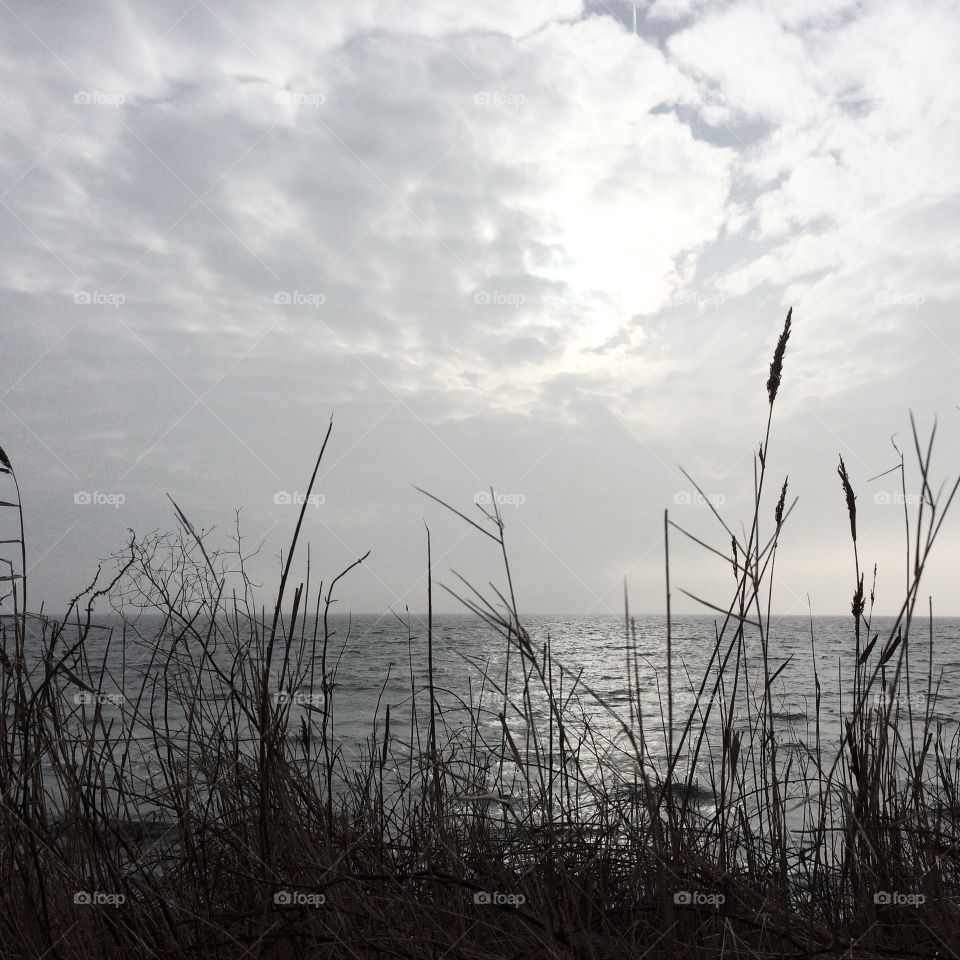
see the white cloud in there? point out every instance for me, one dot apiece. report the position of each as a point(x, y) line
point(851, 175)
point(400, 178)
point(484, 210)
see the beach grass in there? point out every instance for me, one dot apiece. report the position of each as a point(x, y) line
point(509, 823)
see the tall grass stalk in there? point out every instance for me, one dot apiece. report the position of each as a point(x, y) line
point(196, 805)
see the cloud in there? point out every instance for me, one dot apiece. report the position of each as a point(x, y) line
point(435, 198)
point(860, 119)
point(504, 214)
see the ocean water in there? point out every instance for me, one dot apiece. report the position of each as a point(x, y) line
point(378, 661)
point(148, 678)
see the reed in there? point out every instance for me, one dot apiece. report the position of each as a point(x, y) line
point(184, 808)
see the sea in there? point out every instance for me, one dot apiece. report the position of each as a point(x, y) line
point(600, 667)
point(149, 677)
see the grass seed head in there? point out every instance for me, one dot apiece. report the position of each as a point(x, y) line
point(851, 498)
point(776, 367)
point(778, 513)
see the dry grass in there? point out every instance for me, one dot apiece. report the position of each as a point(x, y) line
point(512, 789)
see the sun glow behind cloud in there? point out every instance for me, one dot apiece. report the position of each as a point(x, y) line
point(506, 216)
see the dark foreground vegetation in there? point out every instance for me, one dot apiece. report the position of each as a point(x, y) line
point(200, 815)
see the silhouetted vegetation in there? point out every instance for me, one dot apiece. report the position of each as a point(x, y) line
point(201, 815)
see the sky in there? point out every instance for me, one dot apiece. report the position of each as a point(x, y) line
point(519, 246)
